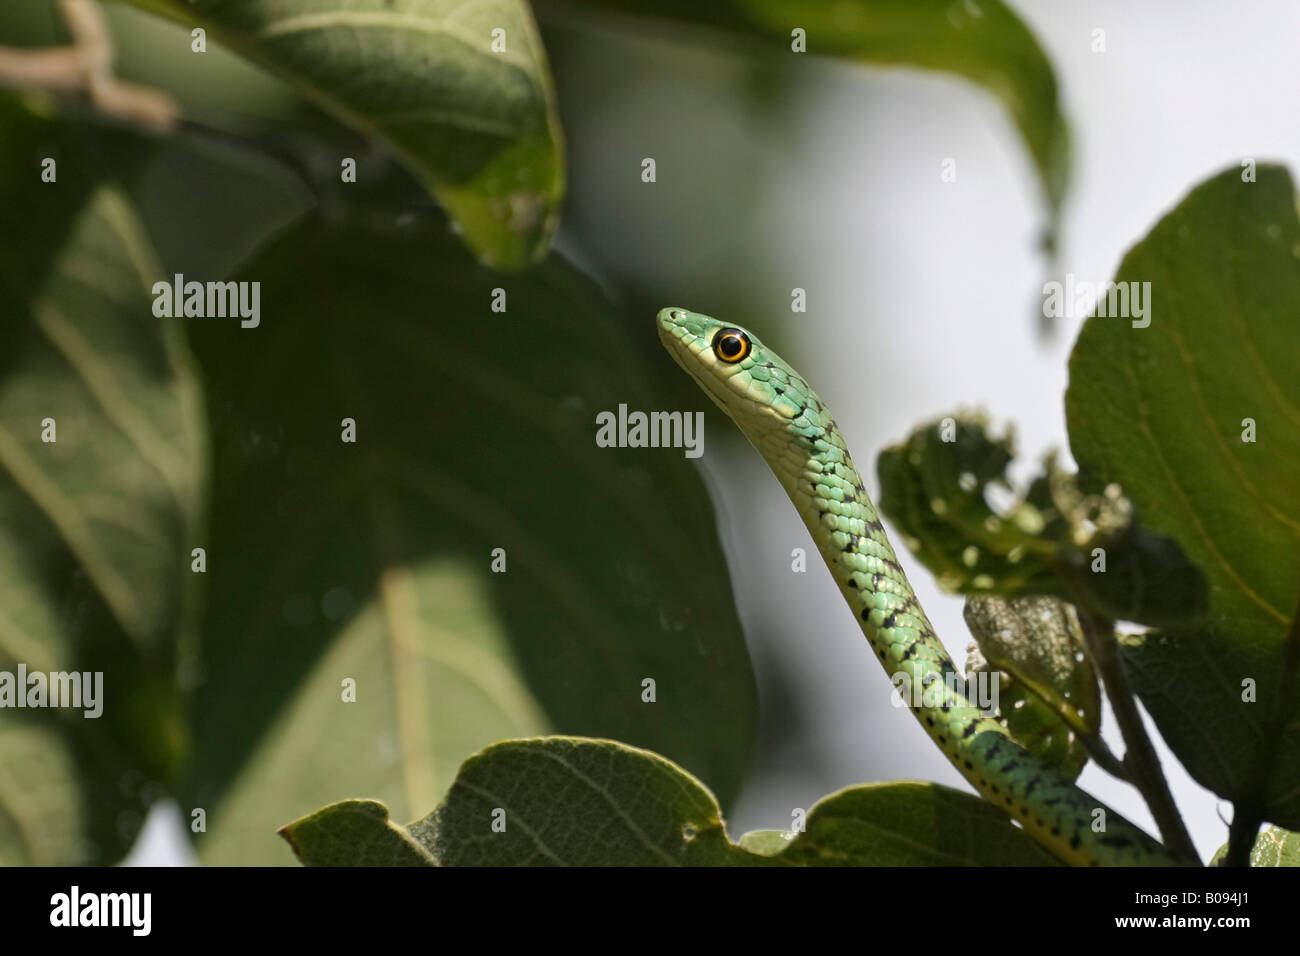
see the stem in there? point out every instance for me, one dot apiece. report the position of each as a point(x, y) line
point(1244, 828)
point(1104, 757)
point(85, 68)
point(1140, 756)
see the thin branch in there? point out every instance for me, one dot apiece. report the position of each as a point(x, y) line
point(85, 69)
point(1246, 821)
point(1139, 756)
point(1104, 757)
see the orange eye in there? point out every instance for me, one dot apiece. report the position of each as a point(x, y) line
point(731, 346)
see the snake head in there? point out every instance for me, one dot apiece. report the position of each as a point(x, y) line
point(747, 381)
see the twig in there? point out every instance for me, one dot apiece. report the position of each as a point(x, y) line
point(1104, 757)
point(1243, 830)
point(1139, 756)
point(85, 68)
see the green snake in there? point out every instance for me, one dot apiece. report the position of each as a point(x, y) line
point(797, 436)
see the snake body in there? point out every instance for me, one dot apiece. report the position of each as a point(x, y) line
point(797, 436)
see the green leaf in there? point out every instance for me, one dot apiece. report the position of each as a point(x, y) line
point(1162, 410)
point(1273, 847)
point(1048, 694)
point(575, 801)
point(476, 126)
point(911, 824)
point(568, 801)
point(353, 833)
point(96, 525)
point(766, 842)
point(938, 486)
point(1276, 847)
point(374, 560)
point(979, 40)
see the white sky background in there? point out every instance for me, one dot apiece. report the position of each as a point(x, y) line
point(922, 295)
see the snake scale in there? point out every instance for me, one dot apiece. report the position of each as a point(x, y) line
point(797, 436)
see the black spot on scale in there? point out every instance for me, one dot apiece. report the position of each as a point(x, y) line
point(969, 731)
point(1056, 831)
point(866, 614)
point(969, 765)
point(1075, 841)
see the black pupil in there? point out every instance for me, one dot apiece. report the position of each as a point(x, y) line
point(731, 345)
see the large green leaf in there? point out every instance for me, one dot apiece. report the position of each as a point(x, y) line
point(475, 430)
point(571, 801)
point(477, 126)
point(980, 40)
point(95, 526)
point(1162, 410)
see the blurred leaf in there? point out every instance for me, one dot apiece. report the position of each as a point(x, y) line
point(475, 431)
point(573, 801)
point(938, 487)
point(96, 526)
point(477, 127)
point(353, 833)
point(979, 40)
point(1048, 693)
point(1162, 411)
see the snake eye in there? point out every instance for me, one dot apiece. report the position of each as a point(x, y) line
point(731, 345)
